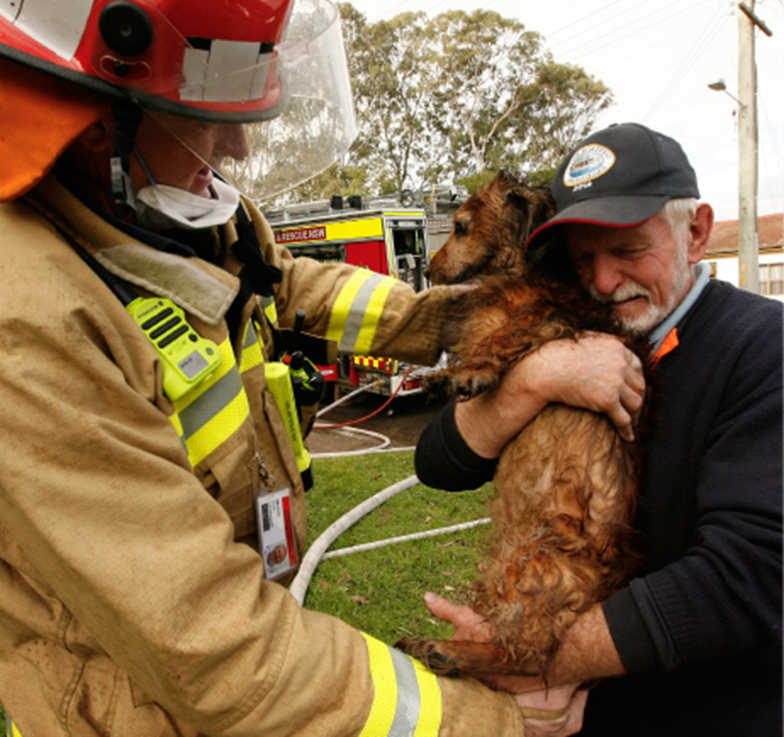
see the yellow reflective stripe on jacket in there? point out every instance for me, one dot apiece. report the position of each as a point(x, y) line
point(252, 346)
point(357, 311)
point(270, 310)
point(407, 701)
point(209, 415)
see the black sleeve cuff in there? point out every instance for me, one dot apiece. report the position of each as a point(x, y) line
point(443, 459)
point(638, 631)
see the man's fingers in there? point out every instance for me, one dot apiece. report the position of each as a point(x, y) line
point(456, 291)
point(623, 422)
point(561, 711)
point(467, 623)
point(441, 608)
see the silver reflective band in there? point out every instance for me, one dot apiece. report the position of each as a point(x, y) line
point(407, 698)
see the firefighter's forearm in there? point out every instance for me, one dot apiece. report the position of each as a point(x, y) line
point(410, 326)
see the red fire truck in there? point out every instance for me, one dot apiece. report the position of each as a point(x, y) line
point(381, 235)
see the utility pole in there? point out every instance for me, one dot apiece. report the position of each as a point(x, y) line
point(748, 239)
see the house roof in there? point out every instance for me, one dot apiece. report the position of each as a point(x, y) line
point(724, 237)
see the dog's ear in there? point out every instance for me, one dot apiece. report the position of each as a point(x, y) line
point(542, 206)
point(519, 204)
point(530, 207)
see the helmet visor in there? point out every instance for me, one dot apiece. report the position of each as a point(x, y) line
point(310, 125)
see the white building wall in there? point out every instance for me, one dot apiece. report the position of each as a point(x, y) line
point(726, 268)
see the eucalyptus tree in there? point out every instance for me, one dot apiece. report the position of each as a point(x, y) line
point(456, 98)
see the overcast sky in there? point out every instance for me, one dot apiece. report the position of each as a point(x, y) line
point(657, 56)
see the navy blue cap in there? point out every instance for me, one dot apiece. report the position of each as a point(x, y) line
point(619, 177)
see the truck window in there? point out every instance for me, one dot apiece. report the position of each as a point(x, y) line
point(410, 256)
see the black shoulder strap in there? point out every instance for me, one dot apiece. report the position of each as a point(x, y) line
point(259, 275)
point(256, 275)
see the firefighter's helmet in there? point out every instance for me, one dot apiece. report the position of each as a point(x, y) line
point(218, 61)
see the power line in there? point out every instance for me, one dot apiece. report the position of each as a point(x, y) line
point(702, 44)
point(586, 17)
point(599, 24)
point(776, 152)
point(603, 42)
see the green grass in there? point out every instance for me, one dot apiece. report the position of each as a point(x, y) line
point(380, 591)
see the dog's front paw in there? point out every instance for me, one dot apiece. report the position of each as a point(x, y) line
point(437, 384)
point(454, 658)
point(427, 651)
point(471, 383)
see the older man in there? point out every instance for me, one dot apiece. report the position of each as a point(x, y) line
point(692, 646)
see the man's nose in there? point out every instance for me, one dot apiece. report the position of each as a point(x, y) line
point(232, 142)
point(607, 276)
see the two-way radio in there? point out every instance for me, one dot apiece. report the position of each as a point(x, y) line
point(187, 358)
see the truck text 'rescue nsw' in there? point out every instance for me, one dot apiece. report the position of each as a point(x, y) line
point(388, 240)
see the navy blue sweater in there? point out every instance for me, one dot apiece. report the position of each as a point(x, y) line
point(699, 632)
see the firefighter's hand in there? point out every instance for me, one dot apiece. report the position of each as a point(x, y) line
point(458, 291)
point(450, 331)
point(468, 624)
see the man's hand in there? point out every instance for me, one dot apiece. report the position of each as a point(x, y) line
point(468, 624)
point(553, 712)
point(548, 712)
point(596, 372)
point(587, 651)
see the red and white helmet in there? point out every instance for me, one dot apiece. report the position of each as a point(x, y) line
point(214, 60)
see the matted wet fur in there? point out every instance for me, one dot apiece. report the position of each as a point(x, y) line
point(563, 536)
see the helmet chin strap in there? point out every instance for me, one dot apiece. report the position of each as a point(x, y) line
point(127, 116)
point(160, 206)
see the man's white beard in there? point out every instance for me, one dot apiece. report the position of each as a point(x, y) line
point(655, 314)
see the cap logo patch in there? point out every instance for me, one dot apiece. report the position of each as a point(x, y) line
point(588, 163)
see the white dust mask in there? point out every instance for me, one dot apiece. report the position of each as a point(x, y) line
point(160, 207)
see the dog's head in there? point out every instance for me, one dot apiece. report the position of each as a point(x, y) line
point(489, 231)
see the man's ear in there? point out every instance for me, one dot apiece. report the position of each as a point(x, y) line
point(99, 136)
point(700, 230)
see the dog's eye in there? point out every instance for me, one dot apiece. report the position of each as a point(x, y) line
point(460, 228)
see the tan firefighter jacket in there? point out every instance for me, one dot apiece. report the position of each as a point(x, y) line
point(129, 605)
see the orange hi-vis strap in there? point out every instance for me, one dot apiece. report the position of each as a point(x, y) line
point(669, 344)
point(42, 115)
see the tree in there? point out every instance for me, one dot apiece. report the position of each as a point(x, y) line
point(501, 101)
point(456, 98)
point(390, 94)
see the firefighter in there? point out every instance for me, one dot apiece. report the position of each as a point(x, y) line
point(142, 296)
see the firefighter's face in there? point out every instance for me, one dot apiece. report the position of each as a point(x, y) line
point(182, 153)
point(277, 555)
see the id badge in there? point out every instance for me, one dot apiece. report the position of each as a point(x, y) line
point(277, 543)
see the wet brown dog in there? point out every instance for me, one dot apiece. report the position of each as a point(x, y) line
point(566, 486)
